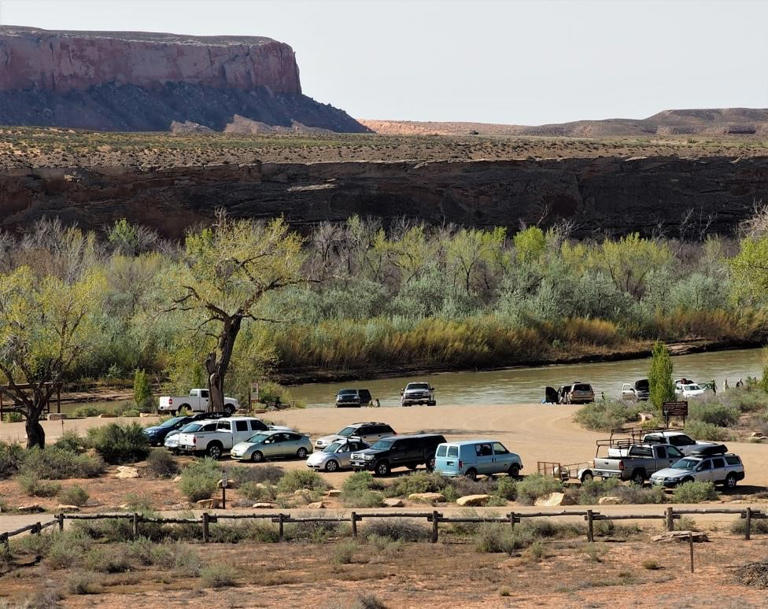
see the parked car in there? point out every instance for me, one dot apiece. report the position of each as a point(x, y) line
point(580, 393)
point(689, 390)
point(712, 464)
point(353, 398)
point(639, 391)
point(272, 445)
point(472, 457)
point(418, 393)
point(368, 432)
point(683, 442)
point(228, 431)
point(157, 434)
point(637, 465)
point(336, 455)
point(198, 400)
point(398, 451)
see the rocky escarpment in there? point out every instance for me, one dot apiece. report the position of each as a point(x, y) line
point(145, 81)
point(682, 197)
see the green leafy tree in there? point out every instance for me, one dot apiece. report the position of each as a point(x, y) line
point(226, 272)
point(142, 394)
point(629, 260)
point(749, 269)
point(46, 325)
point(662, 388)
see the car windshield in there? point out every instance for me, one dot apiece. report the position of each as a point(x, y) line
point(171, 422)
point(418, 386)
point(382, 445)
point(347, 431)
point(332, 448)
point(347, 392)
point(192, 427)
point(687, 463)
point(691, 387)
point(258, 438)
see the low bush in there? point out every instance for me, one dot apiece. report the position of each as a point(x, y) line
point(161, 463)
point(110, 530)
point(361, 481)
point(694, 492)
point(344, 552)
point(200, 479)
point(534, 486)
point(591, 490)
point(35, 487)
point(362, 499)
point(54, 463)
point(607, 416)
point(68, 549)
point(260, 473)
point(106, 560)
point(73, 495)
point(633, 493)
point(713, 413)
point(396, 529)
point(313, 532)
point(361, 489)
point(706, 431)
point(506, 488)
point(176, 556)
point(416, 482)
point(217, 576)
point(496, 538)
point(258, 491)
point(87, 411)
point(84, 582)
point(759, 527)
point(298, 479)
point(13, 417)
point(71, 441)
point(120, 443)
point(11, 455)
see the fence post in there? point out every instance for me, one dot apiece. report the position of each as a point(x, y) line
point(511, 517)
point(353, 516)
point(280, 530)
point(670, 519)
point(435, 523)
point(135, 525)
point(206, 531)
point(4, 541)
point(748, 523)
point(60, 518)
point(590, 526)
point(690, 544)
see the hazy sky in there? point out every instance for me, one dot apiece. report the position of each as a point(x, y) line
point(524, 62)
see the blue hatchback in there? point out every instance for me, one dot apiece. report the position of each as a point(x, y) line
point(472, 457)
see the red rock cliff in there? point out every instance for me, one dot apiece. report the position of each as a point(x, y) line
point(62, 61)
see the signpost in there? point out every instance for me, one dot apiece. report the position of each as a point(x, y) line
point(253, 395)
point(674, 409)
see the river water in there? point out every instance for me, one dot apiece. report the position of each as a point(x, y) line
point(526, 385)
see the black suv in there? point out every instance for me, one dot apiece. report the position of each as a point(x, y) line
point(353, 398)
point(398, 451)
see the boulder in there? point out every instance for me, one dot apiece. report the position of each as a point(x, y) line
point(554, 499)
point(393, 502)
point(56, 416)
point(670, 536)
point(427, 497)
point(473, 500)
point(176, 479)
point(333, 493)
point(210, 504)
point(263, 506)
point(30, 508)
point(125, 472)
point(609, 500)
point(67, 508)
point(317, 505)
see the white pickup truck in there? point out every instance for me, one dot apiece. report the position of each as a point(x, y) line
point(212, 438)
point(197, 401)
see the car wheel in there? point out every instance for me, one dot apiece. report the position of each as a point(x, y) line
point(430, 464)
point(471, 473)
point(730, 481)
point(514, 470)
point(301, 453)
point(229, 410)
point(331, 466)
point(432, 403)
point(686, 479)
point(257, 457)
point(638, 477)
point(184, 409)
point(412, 467)
point(382, 468)
point(214, 450)
point(587, 477)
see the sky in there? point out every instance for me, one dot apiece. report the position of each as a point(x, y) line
point(517, 61)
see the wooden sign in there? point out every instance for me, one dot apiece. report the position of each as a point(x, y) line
point(674, 409)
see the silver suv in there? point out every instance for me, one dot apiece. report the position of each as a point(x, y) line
point(418, 393)
point(710, 464)
point(368, 432)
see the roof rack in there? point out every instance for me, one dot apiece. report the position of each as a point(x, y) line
point(711, 449)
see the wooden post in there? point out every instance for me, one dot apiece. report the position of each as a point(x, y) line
point(37, 528)
point(353, 516)
point(511, 517)
point(590, 526)
point(135, 527)
point(4, 541)
point(435, 523)
point(206, 530)
point(690, 544)
point(748, 523)
point(60, 518)
point(670, 519)
point(280, 527)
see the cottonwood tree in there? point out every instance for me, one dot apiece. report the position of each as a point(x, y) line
point(227, 270)
point(661, 386)
point(46, 325)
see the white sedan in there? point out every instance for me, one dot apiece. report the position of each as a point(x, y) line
point(689, 390)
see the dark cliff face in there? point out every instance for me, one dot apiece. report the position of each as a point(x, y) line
point(144, 81)
point(600, 196)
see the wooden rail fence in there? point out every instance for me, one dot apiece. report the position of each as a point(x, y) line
point(434, 517)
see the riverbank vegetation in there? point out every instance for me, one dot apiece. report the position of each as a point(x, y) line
point(370, 299)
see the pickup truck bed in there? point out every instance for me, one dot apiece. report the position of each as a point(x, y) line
point(639, 463)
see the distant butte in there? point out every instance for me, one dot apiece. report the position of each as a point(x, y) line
point(142, 81)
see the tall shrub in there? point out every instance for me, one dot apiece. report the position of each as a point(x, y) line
point(142, 394)
point(662, 388)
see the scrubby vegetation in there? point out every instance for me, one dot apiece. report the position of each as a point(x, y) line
point(119, 443)
point(199, 480)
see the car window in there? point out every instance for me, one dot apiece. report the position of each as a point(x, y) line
point(582, 387)
point(453, 451)
point(365, 394)
point(225, 425)
point(441, 451)
point(500, 449)
point(681, 441)
point(257, 425)
point(209, 427)
point(257, 438)
point(652, 439)
point(241, 425)
point(291, 436)
point(661, 452)
point(483, 450)
point(673, 452)
point(718, 462)
point(705, 465)
point(732, 460)
point(417, 386)
point(204, 393)
point(347, 431)
point(641, 451)
point(383, 444)
point(686, 463)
